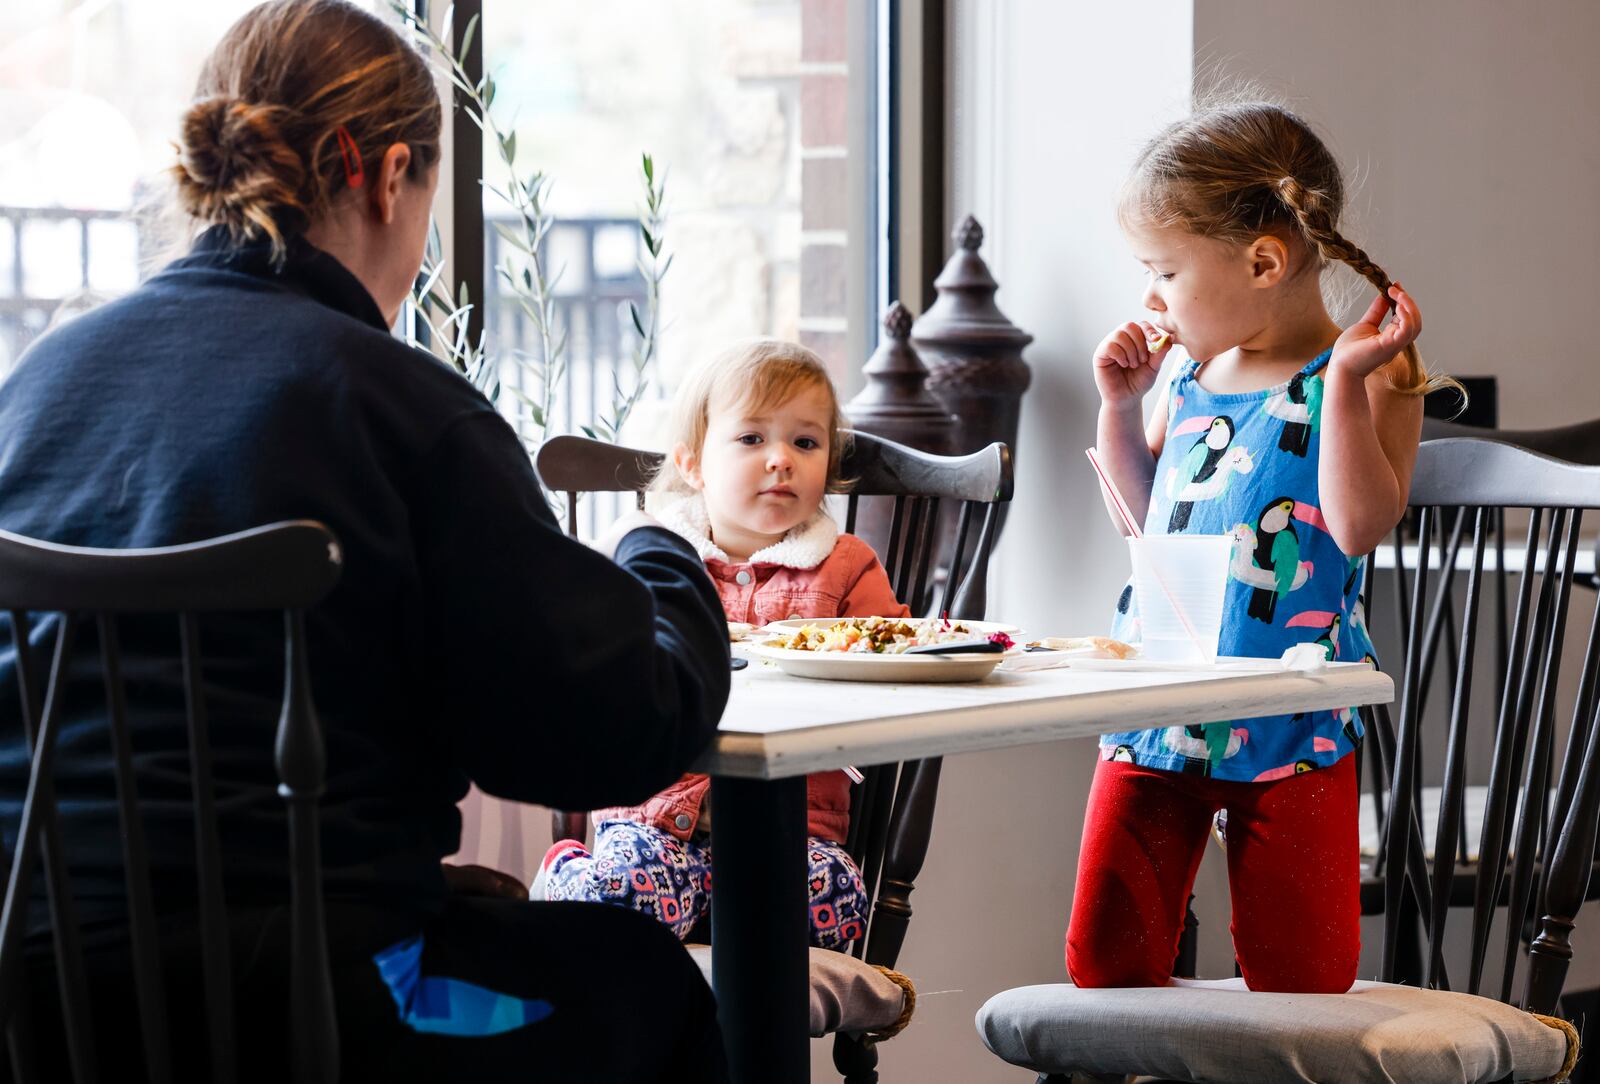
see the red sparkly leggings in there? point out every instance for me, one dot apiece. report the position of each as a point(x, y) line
point(1293, 873)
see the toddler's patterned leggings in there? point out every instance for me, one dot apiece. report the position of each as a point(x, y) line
point(1293, 871)
point(658, 874)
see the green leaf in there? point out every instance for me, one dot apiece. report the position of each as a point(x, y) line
point(508, 148)
point(466, 40)
point(512, 238)
point(649, 169)
point(488, 92)
point(649, 240)
point(633, 310)
point(462, 297)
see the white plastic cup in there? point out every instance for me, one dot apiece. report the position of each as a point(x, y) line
point(1179, 581)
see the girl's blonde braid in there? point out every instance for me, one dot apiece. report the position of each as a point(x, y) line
point(1316, 224)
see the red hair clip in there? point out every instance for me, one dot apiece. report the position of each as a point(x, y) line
point(354, 174)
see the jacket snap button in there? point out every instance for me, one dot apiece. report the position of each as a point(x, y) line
point(743, 578)
point(794, 617)
point(682, 821)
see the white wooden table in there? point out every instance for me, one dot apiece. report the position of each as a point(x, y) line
point(776, 728)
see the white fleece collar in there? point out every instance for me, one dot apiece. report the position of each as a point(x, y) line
point(805, 546)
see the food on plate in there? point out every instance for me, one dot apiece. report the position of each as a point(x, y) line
point(1099, 647)
point(880, 635)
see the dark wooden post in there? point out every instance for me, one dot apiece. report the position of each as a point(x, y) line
point(896, 404)
point(973, 352)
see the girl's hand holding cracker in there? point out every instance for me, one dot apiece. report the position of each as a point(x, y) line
point(1365, 347)
point(1128, 361)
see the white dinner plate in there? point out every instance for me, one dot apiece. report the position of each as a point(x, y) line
point(866, 666)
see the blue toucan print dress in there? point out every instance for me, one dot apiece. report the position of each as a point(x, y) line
point(1246, 464)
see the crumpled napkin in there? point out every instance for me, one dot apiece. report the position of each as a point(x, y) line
point(1305, 657)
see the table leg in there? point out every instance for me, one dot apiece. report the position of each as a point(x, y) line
point(759, 934)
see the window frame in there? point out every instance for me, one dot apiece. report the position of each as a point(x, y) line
point(896, 154)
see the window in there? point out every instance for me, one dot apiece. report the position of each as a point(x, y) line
point(758, 115)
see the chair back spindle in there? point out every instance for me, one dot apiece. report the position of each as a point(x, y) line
point(136, 860)
point(283, 567)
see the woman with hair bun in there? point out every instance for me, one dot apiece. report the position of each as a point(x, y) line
point(468, 641)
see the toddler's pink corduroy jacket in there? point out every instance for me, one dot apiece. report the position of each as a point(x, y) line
point(814, 572)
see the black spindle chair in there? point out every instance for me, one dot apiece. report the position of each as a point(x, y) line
point(1528, 859)
point(891, 811)
point(283, 567)
point(1441, 639)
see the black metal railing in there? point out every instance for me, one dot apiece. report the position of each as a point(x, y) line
point(595, 257)
point(597, 263)
point(24, 313)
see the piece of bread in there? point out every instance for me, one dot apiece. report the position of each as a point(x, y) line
point(1103, 647)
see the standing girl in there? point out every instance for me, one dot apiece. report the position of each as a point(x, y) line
point(758, 442)
point(1298, 438)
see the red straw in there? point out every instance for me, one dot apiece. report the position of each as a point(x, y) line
point(1116, 494)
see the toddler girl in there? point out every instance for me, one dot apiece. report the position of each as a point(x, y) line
point(1298, 438)
point(757, 447)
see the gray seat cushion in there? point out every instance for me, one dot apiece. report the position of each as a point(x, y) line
point(846, 994)
point(1219, 1031)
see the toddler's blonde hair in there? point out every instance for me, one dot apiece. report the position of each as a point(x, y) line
point(757, 374)
point(1238, 170)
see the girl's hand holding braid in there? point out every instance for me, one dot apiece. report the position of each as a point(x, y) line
point(1365, 347)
